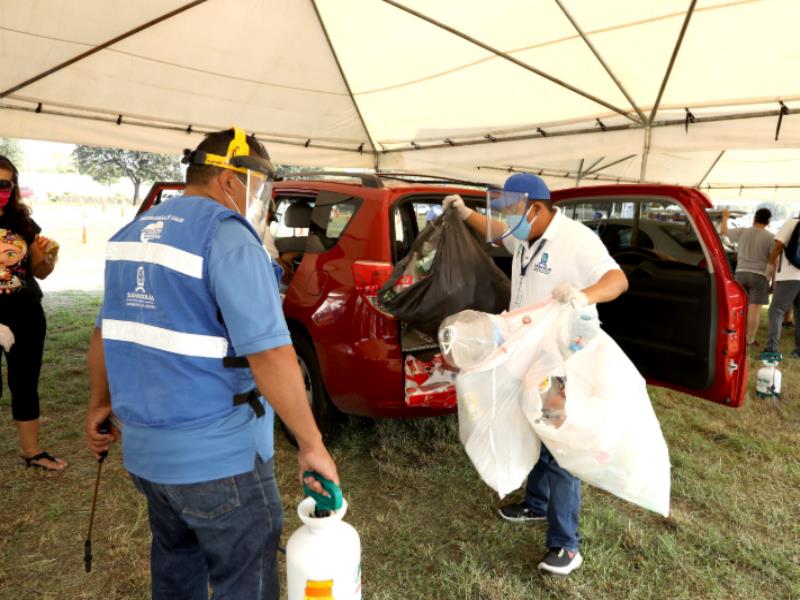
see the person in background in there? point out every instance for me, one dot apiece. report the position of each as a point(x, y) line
point(190, 339)
point(752, 255)
point(24, 257)
point(785, 279)
point(553, 257)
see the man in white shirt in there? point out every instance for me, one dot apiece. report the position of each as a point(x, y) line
point(553, 256)
point(786, 288)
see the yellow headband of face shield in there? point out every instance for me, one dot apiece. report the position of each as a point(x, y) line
point(237, 147)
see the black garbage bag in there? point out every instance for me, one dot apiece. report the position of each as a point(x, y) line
point(447, 271)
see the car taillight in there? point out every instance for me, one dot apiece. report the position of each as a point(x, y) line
point(369, 277)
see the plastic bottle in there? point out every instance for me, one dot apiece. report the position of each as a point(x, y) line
point(469, 337)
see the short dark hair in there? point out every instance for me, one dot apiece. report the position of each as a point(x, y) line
point(548, 204)
point(217, 143)
point(763, 215)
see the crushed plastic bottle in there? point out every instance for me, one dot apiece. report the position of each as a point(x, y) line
point(469, 337)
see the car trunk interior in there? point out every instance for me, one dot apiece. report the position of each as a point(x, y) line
point(412, 214)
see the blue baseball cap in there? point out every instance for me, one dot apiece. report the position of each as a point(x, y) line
point(527, 183)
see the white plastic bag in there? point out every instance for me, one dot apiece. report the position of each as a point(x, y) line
point(610, 437)
point(492, 424)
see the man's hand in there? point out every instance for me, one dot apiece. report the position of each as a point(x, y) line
point(566, 293)
point(457, 202)
point(96, 441)
point(316, 458)
point(6, 338)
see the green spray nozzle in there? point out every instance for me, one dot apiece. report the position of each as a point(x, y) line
point(324, 503)
point(772, 357)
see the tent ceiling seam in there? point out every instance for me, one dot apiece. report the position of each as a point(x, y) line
point(346, 82)
point(511, 59)
point(599, 57)
point(98, 48)
point(551, 43)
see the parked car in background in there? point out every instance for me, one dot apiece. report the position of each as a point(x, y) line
point(681, 322)
point(25, 192)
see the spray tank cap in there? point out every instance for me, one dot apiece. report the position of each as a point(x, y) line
point(325, 504)
point(770, 358)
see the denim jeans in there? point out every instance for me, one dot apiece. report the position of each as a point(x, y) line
point(554, 492)
point(224, 532)
point(785, 294)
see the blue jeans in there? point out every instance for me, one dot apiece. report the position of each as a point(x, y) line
point(224, 532)
point(554, 492)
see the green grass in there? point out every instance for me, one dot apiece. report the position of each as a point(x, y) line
point(427, 522)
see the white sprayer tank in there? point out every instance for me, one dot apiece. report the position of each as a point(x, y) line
point(768, 380)
point(323, 557)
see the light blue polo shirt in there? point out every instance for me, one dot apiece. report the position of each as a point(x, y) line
point(243, 282)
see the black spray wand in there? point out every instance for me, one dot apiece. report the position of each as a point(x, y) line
point(105, 427)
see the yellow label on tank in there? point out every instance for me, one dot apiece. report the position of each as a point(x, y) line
point(319, 590)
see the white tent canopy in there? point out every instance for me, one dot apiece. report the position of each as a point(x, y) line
point(672, 91)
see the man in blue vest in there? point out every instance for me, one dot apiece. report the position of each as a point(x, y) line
point(190, 330)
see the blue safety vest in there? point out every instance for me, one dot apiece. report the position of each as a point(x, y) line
point(166, 346)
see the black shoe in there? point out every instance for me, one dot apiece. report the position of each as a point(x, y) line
point(560, 561)
point(519, 513)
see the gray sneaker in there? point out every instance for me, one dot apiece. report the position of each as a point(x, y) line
point(519, 513)
point(559, 561)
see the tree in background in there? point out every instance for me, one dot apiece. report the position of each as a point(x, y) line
point(107, 164)
point(10, 148)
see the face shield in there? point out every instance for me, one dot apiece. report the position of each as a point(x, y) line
point(510, 207)
point(259, 175)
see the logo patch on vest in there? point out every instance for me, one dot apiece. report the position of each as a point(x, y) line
point(541, 266)
point(152, 232)
point(139, 297)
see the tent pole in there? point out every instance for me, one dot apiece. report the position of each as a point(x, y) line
point(344, 78)
point(711, 168)
point(579, 174)
point(557, 174)
point(672, 61)
point(102, 46)
point(591, 46)
point(594, 164)
point(645, 154)
point(166, 127)
point(510, 58)
point(593, 130)
point(592, 171)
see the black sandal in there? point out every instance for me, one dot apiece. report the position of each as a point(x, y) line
point(28, 460)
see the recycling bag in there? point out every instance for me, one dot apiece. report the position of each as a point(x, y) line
point(589, 407)
point(447, 271)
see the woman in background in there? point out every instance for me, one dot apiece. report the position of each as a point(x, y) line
point(24, 256)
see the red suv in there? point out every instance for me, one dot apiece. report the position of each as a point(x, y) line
point(682, 320)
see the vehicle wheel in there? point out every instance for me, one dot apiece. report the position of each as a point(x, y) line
point(328, 418)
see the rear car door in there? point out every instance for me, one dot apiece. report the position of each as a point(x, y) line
point(682, 320)
point(160, 192)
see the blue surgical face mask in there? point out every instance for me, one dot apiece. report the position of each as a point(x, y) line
point(519, 226)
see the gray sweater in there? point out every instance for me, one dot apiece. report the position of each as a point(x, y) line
point(754, 246)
